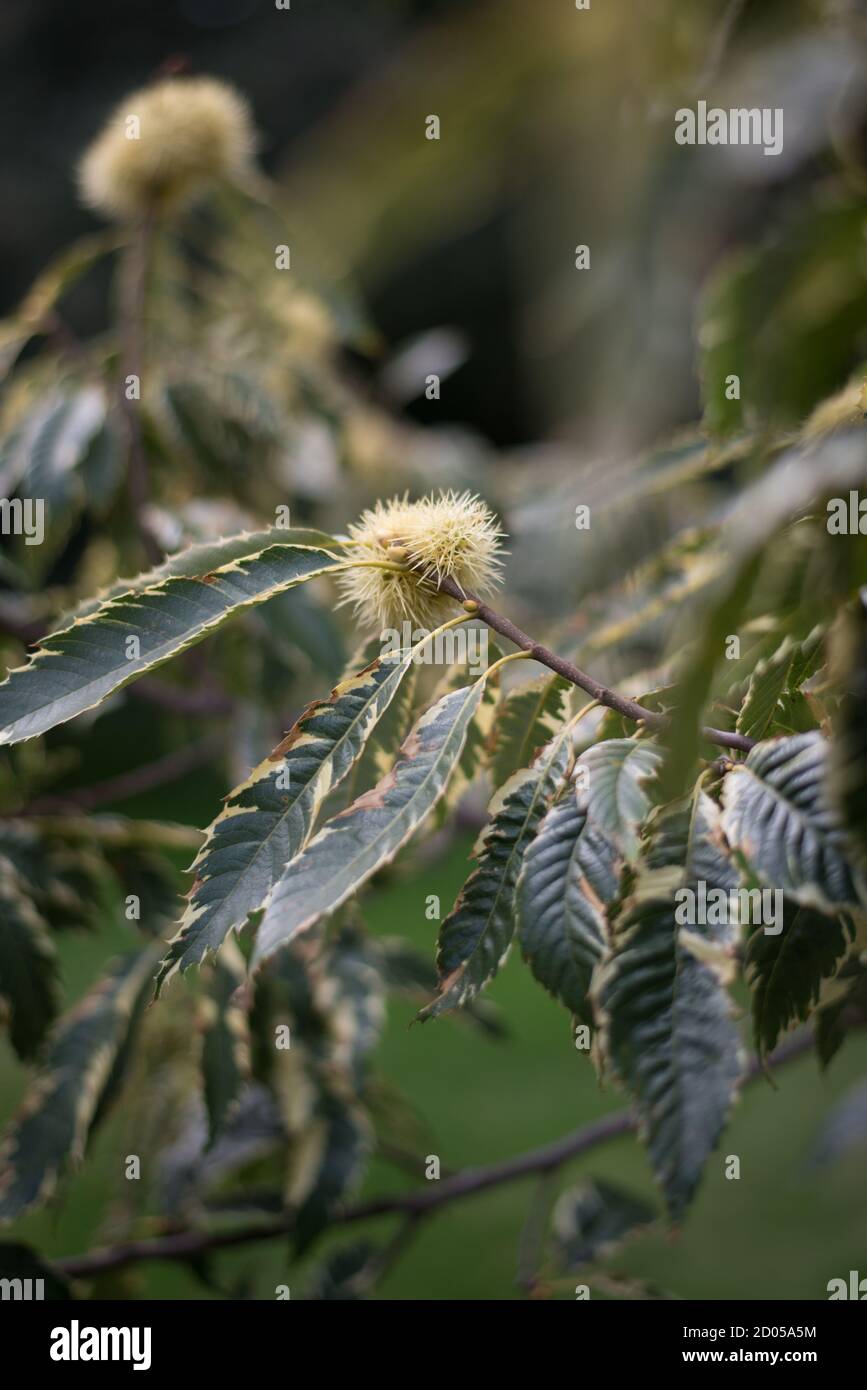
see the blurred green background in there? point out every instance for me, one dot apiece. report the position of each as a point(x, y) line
point(780, 1232)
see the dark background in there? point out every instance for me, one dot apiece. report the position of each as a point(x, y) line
point(64, 65)
point(548, 139)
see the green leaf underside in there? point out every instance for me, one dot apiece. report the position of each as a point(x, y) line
point(75, 669)
point(664, 1013)
point(589, 1221)
point(779, 816)
point(350, 848)
point(268, 819)
point(615, 776)
point(474, 939)
point(686, 834)
point(669, 1034)
point(785, 970)
point(79, 1076)
point(570, 872)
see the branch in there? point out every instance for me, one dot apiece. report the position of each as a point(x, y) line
point(420, 1202)
point(630, 709)
point(161, 772)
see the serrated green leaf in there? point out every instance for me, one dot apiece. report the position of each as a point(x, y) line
point(833, 1021)
point(204, 557)
point(29, 989)
point(252, 1133)
point(778, 815)
point(785, 970)
point(474, 939)
point(79, 1077)
point(780, 674)
point(570, 873)
point(767, 684)
point(404, 970)
point(384, 740)
point(664, 1015)
point(687, 834)
point(476, 749)
point(76, 668)
point(348, 850)
point(668, 1032)
point(593, 1219)
point(527, 718)
point(615, 776)
point(268, 819)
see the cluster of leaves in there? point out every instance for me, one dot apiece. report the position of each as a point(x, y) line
point(581, 856)
point(593, 827)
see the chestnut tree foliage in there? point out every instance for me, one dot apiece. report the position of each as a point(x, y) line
point(196, 519)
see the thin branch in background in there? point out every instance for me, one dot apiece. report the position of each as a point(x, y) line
point(133, 284)
point(630, 709)
point(160, 773)
point(417, 1203)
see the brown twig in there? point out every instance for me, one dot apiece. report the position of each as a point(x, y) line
point(162, 771)
point(417, 1203)
point(630, 709)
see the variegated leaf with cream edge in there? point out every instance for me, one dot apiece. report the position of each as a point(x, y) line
point(527, 717)
point(616, 776)
point(225, 1037)
point(80, 1076)
point(474, 939)
point(76, 668)
point(665, 1018)
point(785, 969)
point(268, 819)
point(348, 850)
point(782, 673)
point(29, 988)
point(780, 818)
point(476, 750)
point(204, 557)
point(570, 872)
